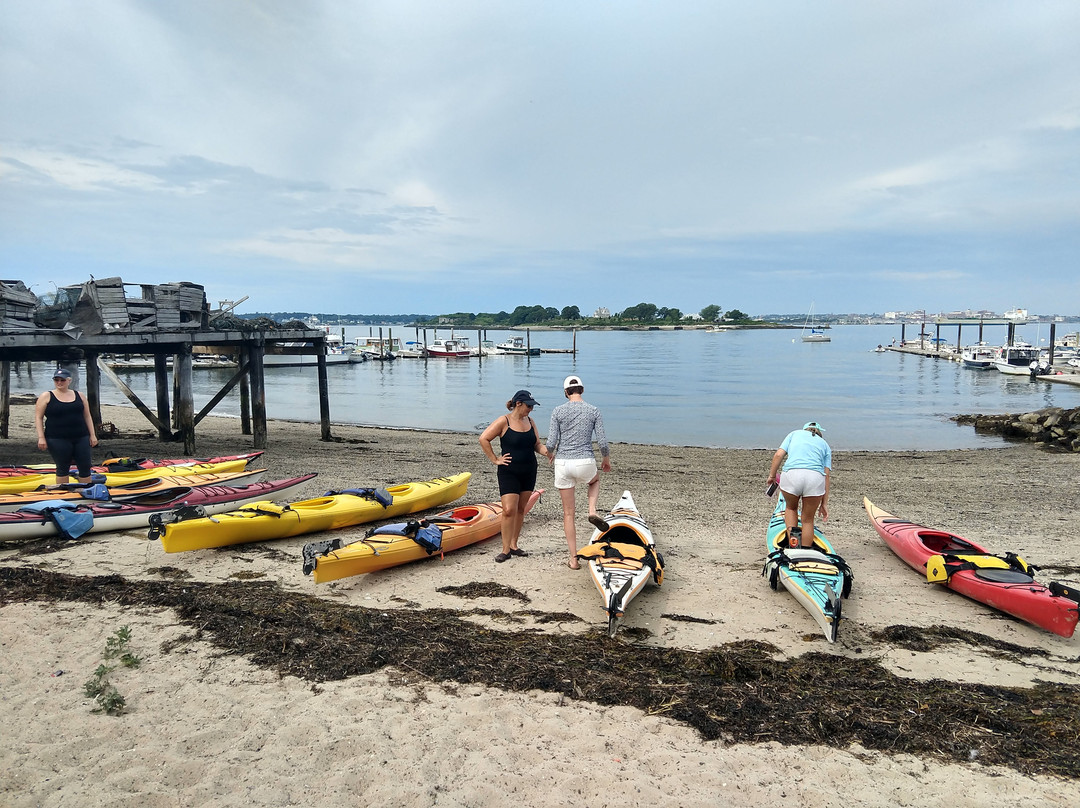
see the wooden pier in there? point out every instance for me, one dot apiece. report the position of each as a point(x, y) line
point(97, 319)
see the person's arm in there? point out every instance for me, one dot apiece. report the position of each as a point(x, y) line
point(823, 508)
point(553, 437)
point(601, 439)
point(487, 436)
point(539, 446)
point(39, 419)
point(774, 467)
point(89, 420)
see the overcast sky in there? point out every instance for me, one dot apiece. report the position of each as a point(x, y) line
point(435, 156)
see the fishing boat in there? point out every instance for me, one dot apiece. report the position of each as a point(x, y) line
point(71, 519)
point(622, 558)
point(817, 577)
point(516, 346)
point(448, 348)
point(379, 349)
point(97, 492)
point(813, 334)
point(395, 544)
point(263, 521)
point(1016, 359)
point(1005, 582)
point(980, 356)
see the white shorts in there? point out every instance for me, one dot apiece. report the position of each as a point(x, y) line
point(803, 483)
point(569, 473)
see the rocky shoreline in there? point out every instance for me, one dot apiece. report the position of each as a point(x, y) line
point(1050, 428)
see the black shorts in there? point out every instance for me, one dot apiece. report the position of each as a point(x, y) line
point(65, 452)
point(516, 478)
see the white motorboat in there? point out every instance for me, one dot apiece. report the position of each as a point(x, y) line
point(448, 348)
point(1017, 359)
point(412, 350)
point(516, 346)
point(379, 349)
point(980, 356)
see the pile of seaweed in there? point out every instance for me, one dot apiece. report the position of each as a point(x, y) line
point(734, 693)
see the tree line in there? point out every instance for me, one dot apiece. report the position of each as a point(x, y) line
point(642, 313)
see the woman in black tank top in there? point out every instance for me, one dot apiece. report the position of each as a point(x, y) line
point(65, 428)
point(519, 443)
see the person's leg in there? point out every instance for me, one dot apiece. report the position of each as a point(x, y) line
point(522, 507)
point(791, 511)
point(82, 457)
point(809, 511)
point(510, 524)
point(594, 494)
point(569, 529)
point(61, 452)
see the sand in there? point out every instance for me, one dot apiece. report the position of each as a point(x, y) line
point(203, 727)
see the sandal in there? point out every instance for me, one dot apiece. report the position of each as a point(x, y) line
point(518, 553)
point(571, 566)
point(501, 557)
point(599, 523)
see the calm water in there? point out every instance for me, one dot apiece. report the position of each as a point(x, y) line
point(738, 389)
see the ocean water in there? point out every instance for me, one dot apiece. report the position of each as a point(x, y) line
point(735, 389)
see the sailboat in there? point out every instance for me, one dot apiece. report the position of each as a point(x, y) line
point(814, 334)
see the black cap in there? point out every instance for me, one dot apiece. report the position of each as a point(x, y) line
point(524, 397)
point(62, 373)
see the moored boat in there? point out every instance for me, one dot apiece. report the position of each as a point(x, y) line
point(817, 577)
point(622, 558)
point(448, 348)
point(263, 521)
point(77, 492)
point(50, 517)
point(516, 346)
point(1004, 582)
point(980, 356)
point(391, 545)
point(1015, 360)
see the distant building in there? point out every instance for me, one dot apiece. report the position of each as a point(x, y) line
point(602, 313)
point(691, 316)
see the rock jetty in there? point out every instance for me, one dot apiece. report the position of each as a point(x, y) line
point(1053, 427)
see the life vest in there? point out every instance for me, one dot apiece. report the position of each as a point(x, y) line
point(621, 555)
point(1007, 568)
point(423, 533)
point(71, 520)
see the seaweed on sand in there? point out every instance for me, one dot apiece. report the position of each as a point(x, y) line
point(735, 693)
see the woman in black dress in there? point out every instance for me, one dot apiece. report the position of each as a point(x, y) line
point(65, 428)
point(519, 443)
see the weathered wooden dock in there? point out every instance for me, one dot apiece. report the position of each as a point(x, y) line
point(166, 321)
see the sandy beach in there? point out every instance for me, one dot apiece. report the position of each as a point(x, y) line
point(209, 721)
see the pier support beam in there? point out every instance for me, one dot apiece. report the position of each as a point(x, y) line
point(185, 400)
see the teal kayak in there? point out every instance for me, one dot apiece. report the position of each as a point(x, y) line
point(816, 577)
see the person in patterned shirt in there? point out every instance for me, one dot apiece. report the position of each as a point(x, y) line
point(570, 448)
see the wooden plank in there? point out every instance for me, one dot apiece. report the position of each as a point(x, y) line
point(224, 391)
point(127, 391)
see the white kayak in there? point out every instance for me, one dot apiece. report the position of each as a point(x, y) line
point(622, 558)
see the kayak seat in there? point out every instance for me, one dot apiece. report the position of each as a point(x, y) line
point(1001, 576)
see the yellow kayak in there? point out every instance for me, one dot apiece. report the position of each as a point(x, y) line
point(29, 482)
point(391, 545)
point(262, 521)
point(121, 493)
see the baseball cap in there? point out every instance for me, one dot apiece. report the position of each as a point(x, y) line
point(813, 425)
point(524, 397)
point(62, 373)
point(572, 381)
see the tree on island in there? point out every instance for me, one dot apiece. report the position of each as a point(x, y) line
point(710, 313)
point(737, 316)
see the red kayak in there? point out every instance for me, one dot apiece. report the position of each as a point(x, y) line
point(48, 518)
point(125, 464)
point(1004, 582)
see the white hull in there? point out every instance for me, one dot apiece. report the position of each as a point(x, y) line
point(619, 587)
point(303, 360)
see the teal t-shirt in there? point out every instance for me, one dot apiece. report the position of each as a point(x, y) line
point(805, 450)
